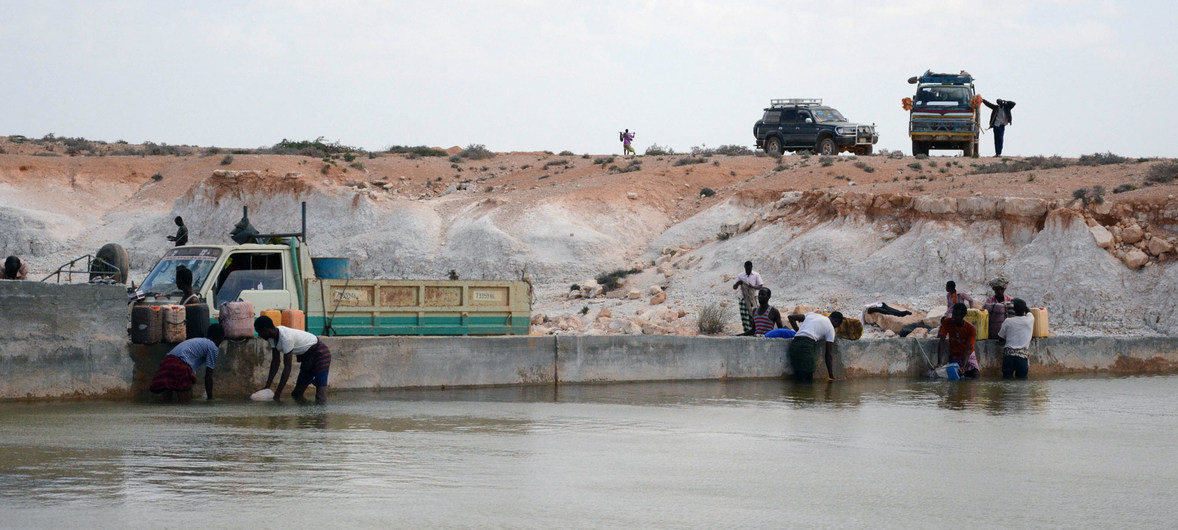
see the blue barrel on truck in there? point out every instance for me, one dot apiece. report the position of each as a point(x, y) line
point(330, 268)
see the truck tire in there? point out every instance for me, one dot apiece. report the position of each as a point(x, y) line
point(827, 147)
point(773, 146)
point(116, 255)
point(919, 148)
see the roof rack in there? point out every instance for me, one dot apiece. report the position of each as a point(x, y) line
point(962, 78)
point(801, 102)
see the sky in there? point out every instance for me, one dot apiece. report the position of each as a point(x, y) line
point(520, 75)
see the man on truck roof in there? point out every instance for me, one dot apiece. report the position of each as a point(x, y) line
point(314, 359)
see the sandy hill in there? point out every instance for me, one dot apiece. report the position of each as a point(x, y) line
point(830, 232)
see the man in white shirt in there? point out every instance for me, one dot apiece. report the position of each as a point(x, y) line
point(749, 283)
point(313, 356)
point(1016, 331)
point(803, 355)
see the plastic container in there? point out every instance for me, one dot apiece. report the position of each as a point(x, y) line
point(980, 318)
point(175, 324)
point(274, 314)
point(196, 320)
point(1040, 329)
point(331, 268)
point(294, 319)
point(147, 324)
point(238, 319)
point(951, 372)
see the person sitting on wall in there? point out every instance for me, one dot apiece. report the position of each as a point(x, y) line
point(767, 318)
point(996, 305)
point(960, 337)
point(184, 283)
point(803, 354)
point(15, 269)
point(952, 297)
point(314, 359)
point(1016, 332)
point(177, 372)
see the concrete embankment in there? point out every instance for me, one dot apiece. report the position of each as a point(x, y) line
point(63, 341)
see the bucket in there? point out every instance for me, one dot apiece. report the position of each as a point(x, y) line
point(330, 268)
point(951, 372)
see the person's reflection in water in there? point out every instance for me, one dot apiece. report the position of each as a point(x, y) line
point(960, 395)
point(804, 395)
point(312, 420)
point(1015, 397)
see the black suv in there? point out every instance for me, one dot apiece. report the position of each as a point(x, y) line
point(806, 124)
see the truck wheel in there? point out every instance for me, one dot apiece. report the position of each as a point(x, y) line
point(919, 148)
point(773, 146)
point(827, 147)
point(115, 255)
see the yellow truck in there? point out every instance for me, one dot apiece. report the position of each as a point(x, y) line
point(285, 276)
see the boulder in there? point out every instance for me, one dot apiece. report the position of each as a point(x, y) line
point(935, 205)
point(654, 289)
point(934, 316)
point(803, 309)
point(1022, 207)
point(894, 323)
point(658, 299)
point(977, 206)
point(539, 318)
point(1158, 246)
point(604, 313)
point(919, 333)
point(1132, 234)
point(1104, 238)
point(634, 294)
point(1134, 259)
point(889, 334)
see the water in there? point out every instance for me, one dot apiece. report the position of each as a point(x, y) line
point(1062, 453)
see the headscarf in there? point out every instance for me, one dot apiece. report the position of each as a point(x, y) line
point(999, 282)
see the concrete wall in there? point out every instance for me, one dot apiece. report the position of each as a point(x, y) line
point(71, 341)
point(63, 340)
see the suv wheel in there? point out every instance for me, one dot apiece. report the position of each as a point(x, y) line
point(827, 147)
point(773, 146)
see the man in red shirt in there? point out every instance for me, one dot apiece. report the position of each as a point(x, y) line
point(959, 337)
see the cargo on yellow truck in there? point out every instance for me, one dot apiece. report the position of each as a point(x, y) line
point(285, 276)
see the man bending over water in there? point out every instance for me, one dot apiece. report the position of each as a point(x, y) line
point(177, 372)
point(313, 356)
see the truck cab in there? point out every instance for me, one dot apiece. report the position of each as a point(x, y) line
point(944, 113)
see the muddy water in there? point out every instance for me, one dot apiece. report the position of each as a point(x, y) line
point(1065, 453)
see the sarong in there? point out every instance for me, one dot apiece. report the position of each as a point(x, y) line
point(174, 374)
point(803, 357)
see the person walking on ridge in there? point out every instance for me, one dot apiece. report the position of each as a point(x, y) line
point(627, 138)
point(999, 119)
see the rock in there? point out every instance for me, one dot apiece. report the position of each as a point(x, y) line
point(654, 289)
point(682, 313)
point(632, 196)
point(1104, 238)
point(664, 268)
point(1022, 207)
point(918, 333)
point(723, 303)
point(894, 323)
point(935, 205)
point(604, 313)
point(634, 294)
point(658, 299)
point(1134, 259)
point(1132, 234)
point(633, 328)
point(539, 318)
point(933, 318)
point(1115, 231)
point(977, 206)
point(803, 309)
point(1158, 246)
point(889, 333)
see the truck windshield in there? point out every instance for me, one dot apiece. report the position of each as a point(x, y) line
point(825, 115)
point(943, 95)
point(162, 279)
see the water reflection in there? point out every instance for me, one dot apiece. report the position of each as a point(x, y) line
point(738, 453)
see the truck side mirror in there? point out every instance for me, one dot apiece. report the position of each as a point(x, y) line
point(809, 120)
point(912, 80)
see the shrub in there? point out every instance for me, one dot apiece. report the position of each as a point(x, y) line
point(603, 160)
point(916, 166)
point(542, 177)
point(357, 165)
point(348, 157)
point(227, 160)
point(157, 177)
point(686, 161)
point(562, 162)
point(711, 319)
point(826, 161)
point(455, 159)
point(575, 287)
point(612, 280)
point(863, 165)
point(325, 169)
point(585, 310)
point(1124, 187)
point(1012, 166)
point(1101, 159)
point(921, 157)
point(723, 236)
point(1163, 173)
point(633, 166)
point(1085, 195)
point(566, 152)
point(733, 150)
point(657, 150)
point(707, 192)
point(476, 152)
